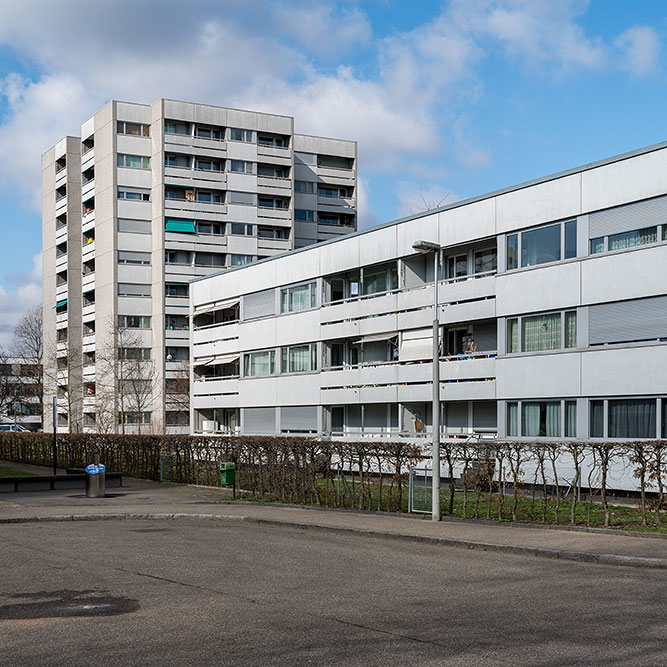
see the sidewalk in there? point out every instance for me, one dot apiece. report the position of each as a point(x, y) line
point(141, 499)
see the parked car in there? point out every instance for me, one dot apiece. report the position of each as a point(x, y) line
point(13, 427)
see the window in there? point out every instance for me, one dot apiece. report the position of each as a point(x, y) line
point(512, 251)
point(209, 259)
point(597, 419)
point(304, 187)
point(134, 195)
point(634, 238)
point(257, 364)
point(570, 239)
point(633, 418)
point(541, 332)
point(210, 228)
point(240, 260)
point(486, 260)
point(304, 216)
point(173, 127)
point(133, 161)
point(134, 129)
point(209, 133)
point(134, 353)
point(239, 229)
point(240, 166)
point(207, 197)
point(270, 202)
point(131, 257)
point(278, 233)
point(247, 198)
point(179, 290)
point(174, 160)
point(540, 419)
point(323, 191)
point(208, 165)
point(571, 329)
point(134, 321)
point(131, 289)
point(299, 358)
point(375, 280)
point(302, 297)
point(457, 266)
point(597, 245)
point(240, 135)
point(276, 142)
point(174, 418)
point(134, 417)
point(512, 419)
point(512, 335)
point(570, 419)
point(539, 246)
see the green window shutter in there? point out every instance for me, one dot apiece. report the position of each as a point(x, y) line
point(182, 226)
point(61, 303)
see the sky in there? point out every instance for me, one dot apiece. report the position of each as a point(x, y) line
point(447, 100)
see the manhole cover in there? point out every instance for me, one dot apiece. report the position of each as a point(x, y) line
point(66, 603)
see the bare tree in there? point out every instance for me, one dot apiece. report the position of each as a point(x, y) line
point(127, 383)
point(8, 384)
point(29, 348)
point(177, 393)
point(63, 373)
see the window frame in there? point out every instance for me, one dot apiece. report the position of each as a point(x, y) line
point(514, 241)
point(288, 289)
point(519, 320)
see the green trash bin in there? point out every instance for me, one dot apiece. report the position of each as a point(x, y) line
point(227, 473)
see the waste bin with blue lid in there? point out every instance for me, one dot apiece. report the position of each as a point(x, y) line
point(95, 480)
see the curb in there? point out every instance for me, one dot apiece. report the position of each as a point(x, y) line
point(557, 554)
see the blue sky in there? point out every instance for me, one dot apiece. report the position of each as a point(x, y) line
point(446, 99)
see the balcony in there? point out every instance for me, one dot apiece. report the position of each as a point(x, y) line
point(183, 205)
point(61, 292)
point(87, 218)
point(88, 190)
point(272, 185)
point(274, 152)
point(88, 159)
point(337, 175)
point(88, 312)
point(88, 344)
point(61, 262)
point(88, 251)
point(61, 177)
point(274, 213)
point(89, 373)
point(335, 203)
point(177, 334)
point(88, 281)
point(61, 234)
point(61, 318)
point(177, 141)
point(61, 205)
point(194, 178)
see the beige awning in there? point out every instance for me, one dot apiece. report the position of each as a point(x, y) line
point(217, 359)
point(217, 305)
point(374, 338)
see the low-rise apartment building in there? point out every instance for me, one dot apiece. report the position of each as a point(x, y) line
point(553, 313)
point(145, 199)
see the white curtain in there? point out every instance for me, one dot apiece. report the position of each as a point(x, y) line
point(570, 419)
point(552, 420)
point(531, 419)
point(512, 419)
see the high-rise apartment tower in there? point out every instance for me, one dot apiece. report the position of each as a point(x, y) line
point(147, 198)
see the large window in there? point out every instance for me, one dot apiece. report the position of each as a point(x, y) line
point(299, 358)
point(261, 363)
point(134, 353)
point(134, 161)
point(173, 127)
point(240, 135)
point(304, 187)
point(536, 333)
point(297, 298)
point(486, 260)
point(241, 260)
point(539, 246)
point(301, 215)
point(542, 245)
point(540, 419)
point(632, 418)
point(240, 166)
point(134, 195)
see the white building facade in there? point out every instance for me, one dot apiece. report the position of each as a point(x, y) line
point(149, 197)
point(553, 312)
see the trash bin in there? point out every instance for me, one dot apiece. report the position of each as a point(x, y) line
point(227, 473)
point(95, 480)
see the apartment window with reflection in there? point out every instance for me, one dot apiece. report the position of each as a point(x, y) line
point(539, 246)
point(257, 364)
point(632, 418)
point(634, 238)
point(512, 251)
point(541, 332)
point(597, 245)
point(301, 215)
point(240, 260)
point(299, 358)
point(540, 419)
point(304, 187)
point(570, 419)
point(512, 335)
point(133, 129)
point(240, 166)
point(301, 297)
point(172, 127)
point(571, 329)
point(596, 419)
point(513, 419)
point(570, 239)
point(457, 267)
point(486, 260)
point(208, 133)
point(240, 135)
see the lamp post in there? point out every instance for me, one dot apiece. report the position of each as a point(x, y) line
point(427, 247)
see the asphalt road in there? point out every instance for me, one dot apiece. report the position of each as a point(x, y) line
point(233, 593)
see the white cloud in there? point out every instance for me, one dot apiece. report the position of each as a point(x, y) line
point(640, 50)
point(16, 301)
point(416, 198)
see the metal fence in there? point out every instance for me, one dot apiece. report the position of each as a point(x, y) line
point(420, 490)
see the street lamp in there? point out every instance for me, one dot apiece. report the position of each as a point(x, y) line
point(427, 247)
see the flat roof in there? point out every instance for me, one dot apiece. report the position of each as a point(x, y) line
point(457, 204)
